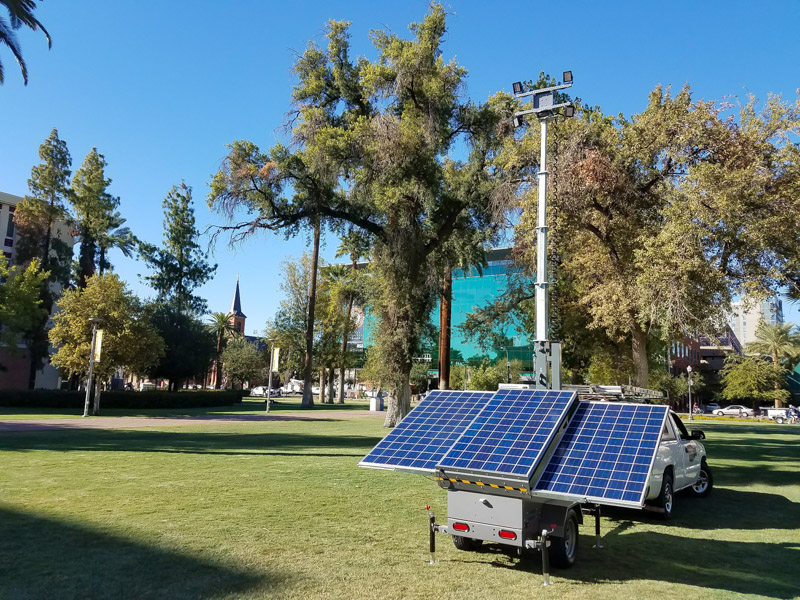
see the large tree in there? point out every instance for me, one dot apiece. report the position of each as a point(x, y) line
point(95, 213)
point(397, 121)
point(129, 339)
point(40, 219)
point(242, 361)
point(220, 326)
point(20, 303)
point(660, 219)
point(781, 342)
point(20, 12)
point(179, 266)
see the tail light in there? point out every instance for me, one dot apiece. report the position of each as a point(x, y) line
point(507, 535)
point(461, 527)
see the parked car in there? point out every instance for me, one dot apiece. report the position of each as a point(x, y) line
point(259, 391)
point(711, 407)
point(736, 410)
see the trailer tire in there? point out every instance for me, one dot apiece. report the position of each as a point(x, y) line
point(667, 497)
point(465, 543)
point(564, 550)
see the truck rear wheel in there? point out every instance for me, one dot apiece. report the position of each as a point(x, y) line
point(564, 550)
point(465, 543)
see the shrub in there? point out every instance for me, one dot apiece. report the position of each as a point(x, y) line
point(119, 399)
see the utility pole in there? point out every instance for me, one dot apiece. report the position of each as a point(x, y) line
point(95, 321)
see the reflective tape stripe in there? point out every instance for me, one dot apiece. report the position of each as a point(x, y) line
point(499, 487)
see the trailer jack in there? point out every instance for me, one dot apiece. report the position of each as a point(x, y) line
point(595, 510)
point(433, 529)
point(542, 544)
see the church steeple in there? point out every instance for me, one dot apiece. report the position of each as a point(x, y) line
point(237, 315)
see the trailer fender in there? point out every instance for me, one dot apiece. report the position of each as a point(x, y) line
point(554, 516)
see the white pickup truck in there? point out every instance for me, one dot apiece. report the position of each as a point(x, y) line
point(680, 464)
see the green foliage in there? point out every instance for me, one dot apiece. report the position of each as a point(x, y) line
point(129, 339)
point(220, 326)
point(780, 342)
point(20, 302)
point(242, 361)
point(179, 266)
point(188, 345)
point(20, 12)
point(118, 399)
point(419, 375)
point(753, 381)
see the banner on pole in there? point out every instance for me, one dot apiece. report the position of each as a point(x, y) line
point(275, 354)
point(98, 345)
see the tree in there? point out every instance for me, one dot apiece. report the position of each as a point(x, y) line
point(20, 12)
point(220, 326)
point(753, 380)
point(94, 213)
point(781, 344)
point(38, 236)
point(188, 345)
point(130, 342)
point(179, 266)
point(661, 218)
point(385, 129)
point(20, 302)
point(242, 361)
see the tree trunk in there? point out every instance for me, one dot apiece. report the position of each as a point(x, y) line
point(639, 347)
point(778, 402)
point(345, 335)
point(331, 382)
point(218, 366)
point(445, 305)
point(321, 397)
point(399, 404)
point(308, 395)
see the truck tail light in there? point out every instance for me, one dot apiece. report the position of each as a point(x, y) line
point(460, 526)
point(507, 535)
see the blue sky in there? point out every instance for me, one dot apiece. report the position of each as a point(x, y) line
point(160, 87)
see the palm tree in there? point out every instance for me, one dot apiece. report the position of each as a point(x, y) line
point(117, 237)
point(220, 324)
point(20, 12)
point(779, 342)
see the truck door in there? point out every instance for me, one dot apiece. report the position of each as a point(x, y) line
point(690, 459)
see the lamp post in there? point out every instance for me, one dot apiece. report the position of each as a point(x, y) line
point(95, 321)
point(691, 408)
point(543, 107)
point(269, 381)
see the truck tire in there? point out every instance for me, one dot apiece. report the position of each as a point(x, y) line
point(564, 550)
point(666, 497)
point(465, 543)
point(702, 487)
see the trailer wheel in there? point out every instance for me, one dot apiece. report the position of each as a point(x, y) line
point(564, 550)
point(465, 543)
point(666, 497)
point(702, 487)
point(779, 420)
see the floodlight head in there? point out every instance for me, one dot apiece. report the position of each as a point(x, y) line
point(519, 122)
point(569, 111)
point(689, 369)
point(567, 76)
point(517, 87)
point(95, 320)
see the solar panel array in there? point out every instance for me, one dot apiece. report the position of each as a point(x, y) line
point(420, 440)
point(606, 453)
point(510, 434)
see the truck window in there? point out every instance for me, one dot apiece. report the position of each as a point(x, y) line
point(680, 427)
point(667, 434)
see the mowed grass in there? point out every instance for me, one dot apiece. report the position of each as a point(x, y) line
point(279, 509)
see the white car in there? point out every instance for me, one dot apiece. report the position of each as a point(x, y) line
point(680, 464)
point(259, 391)
point(736, 410)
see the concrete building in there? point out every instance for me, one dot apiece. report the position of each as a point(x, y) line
point(17, 365)
point(746, 316)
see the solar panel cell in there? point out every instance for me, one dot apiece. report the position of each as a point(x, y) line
point(427, 432)
point(606, 453)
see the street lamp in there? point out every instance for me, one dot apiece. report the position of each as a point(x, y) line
point(544, 108)
point(691, 411)
point(95, 321)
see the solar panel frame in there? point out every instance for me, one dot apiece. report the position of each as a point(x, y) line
point(606, 454)
point(510, 436)
point(427, 432)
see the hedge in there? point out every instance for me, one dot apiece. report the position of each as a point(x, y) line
point(119, 399)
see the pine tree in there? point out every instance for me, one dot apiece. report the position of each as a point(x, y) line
point(179, 267)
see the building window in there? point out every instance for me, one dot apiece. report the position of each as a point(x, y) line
point(10, 230)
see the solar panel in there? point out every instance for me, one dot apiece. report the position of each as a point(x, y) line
point(510, 434)
point(427, 432)
point(606, 453)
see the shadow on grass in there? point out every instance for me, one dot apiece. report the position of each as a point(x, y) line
point(122, 440)
point(45, 558)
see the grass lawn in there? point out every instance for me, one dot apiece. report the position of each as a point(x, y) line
point(279, 509)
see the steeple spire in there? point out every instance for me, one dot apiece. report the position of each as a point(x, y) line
point(236, 305)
